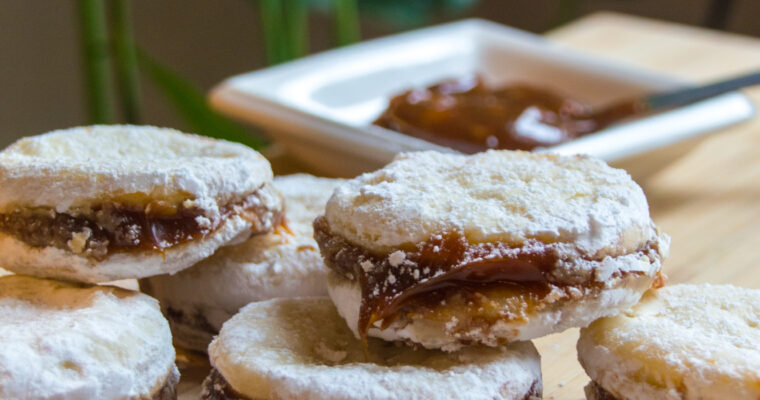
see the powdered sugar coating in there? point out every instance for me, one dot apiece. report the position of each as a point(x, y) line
point(501, 196)
point(63, 341)
point(301, 349)
point(305, 197)
point(78, 167)
point(681, 342)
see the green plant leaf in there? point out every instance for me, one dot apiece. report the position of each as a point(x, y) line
point(190, 102)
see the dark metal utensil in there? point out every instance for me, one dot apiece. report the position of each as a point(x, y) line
point(658, 102)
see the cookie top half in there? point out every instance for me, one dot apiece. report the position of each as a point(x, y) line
point(71, 341)
point(75, 168)
point(679, 342)
point(496, 196)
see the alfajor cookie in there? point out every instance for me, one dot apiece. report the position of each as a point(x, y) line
point(444, 250)
point(683, 342)
point(75, 341)
point(103, 203)
point(301, 349)
point(285, 263)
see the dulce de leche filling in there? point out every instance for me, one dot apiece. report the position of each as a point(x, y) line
point(596, 392)
point(447, 268)
point(113, 227)
point(215, 387)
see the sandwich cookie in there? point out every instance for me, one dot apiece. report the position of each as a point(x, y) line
point(102, 203)
point(285, 263)
point(445, 250)
point(682, 342)
point(75, 341)
point(300, 348)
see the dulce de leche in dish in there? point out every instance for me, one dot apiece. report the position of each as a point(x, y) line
point(467, 115)
point(444, 250)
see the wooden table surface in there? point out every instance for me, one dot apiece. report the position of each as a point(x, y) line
point(708, 201)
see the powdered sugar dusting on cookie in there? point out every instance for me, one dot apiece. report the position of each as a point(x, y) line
point(302, 349)
point(305, 196)
point(493, 196)
point(67, 341)
point(693, 341)
point(81, 166)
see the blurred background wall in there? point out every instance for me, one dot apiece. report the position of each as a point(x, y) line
point(205, 41)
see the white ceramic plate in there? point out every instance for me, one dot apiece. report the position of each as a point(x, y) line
point(320, 108)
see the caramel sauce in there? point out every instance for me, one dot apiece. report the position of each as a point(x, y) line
point(469, 279)
point(595, 391)
point(215, 387)
point(440, 269)
point(444, 263)
point(118, 228)
point(468, 116)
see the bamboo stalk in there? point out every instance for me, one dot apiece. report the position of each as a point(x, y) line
point(94, 41)
point(296, 26)
point(271, 23)
point(347, 22)
point(126, 60)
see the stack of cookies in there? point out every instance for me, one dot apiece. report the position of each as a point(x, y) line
point(425, 279)
point(443, 267)
point(90, 205)
point(282, 263)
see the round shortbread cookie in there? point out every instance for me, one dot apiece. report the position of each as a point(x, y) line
point(301, 349)
point(445, 250)
point(305, 196)
point(103, 203)
point(496, 196)
point(198, 300)
point(682, 342)
point(69, 341)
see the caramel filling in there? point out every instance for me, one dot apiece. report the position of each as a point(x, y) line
point(215, 387)
point(168, 390)
point(596, 392)
point(115, 227)
point(448, 270)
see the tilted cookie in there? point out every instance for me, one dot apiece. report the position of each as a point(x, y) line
point(285, 263)
point(75, 341)
point(683, 342)
point(103, 203)
point(445, 250)
point(300, 348)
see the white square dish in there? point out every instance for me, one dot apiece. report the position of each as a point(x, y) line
point(320, 108)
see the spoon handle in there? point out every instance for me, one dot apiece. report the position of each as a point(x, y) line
point(690, 95)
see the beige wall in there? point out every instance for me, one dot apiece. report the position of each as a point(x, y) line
point(40, 78)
